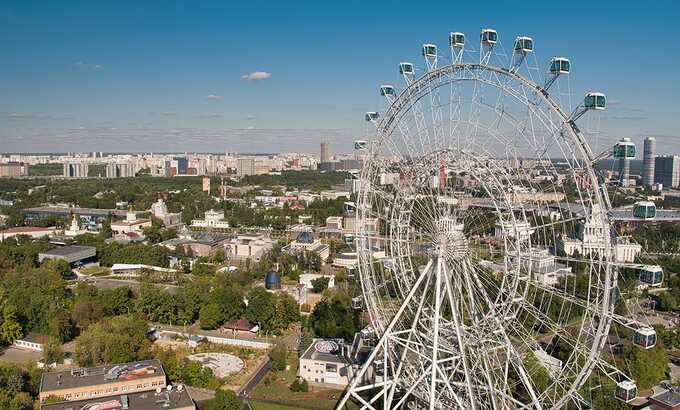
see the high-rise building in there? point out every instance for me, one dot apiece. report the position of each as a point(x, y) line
point(13, 169)
point(245, 166)
point(324, 152)
point(75, 169)
point(206, 185)
point(667, 171)
point(648, 161)
point(182, 166)
point(120, 170)
point(625, 150)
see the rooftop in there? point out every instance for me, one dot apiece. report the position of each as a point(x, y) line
point(89, 376)
point(177, 398)
point(326, 350)
point(668, 397)
point(69, 250)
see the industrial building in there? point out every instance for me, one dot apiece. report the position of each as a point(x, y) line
point(175, 398)
point(103, 381)
point(74, 254)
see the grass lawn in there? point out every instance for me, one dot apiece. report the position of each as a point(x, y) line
point(260, 405)
point(275, 388)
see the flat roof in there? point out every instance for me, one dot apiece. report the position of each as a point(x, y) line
point(69, 250)
point(668, 397)
point(65, 210)
point(81, 377)
point(148, 400)
point(326, 350)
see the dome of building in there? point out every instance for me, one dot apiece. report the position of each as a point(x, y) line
point(305, 237)
point(272, 280)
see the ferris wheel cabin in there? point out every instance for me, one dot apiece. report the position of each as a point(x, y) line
point(626, 391)
point(624, 148)
point(651, 275)
point(559, 65)
point(387, 91)
point(429, 51)
point(595, 101)
point(371, 116)
point(524, 45)
point(645, 337)
point(456, 40)
point(644, 210)
point(360, 145)
point(406, 69)
point(489, 36)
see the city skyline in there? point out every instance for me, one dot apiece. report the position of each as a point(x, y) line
point(141, 78)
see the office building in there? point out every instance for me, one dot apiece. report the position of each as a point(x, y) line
point(667, 171)
point(324, 152)
point(103, 381)
point(75, 169)
point(648, 161)
point(212, 220)
point(13, 169)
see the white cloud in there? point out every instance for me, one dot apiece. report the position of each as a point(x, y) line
point(214, 97)
point(210, 115)
point(98, 66)
point(250, 117)
point(256, 75)
point(169, 114)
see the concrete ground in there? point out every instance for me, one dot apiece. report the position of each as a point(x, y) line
point(19, 356)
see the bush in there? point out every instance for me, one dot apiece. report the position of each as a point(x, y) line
point(278, 356)
point(299, 385)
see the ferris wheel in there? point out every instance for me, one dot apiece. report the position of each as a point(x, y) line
point(486, 257)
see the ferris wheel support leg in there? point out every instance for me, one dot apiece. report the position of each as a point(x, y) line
point(352, 389)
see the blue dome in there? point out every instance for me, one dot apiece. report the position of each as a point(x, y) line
point(272, 280)
point(305, 237)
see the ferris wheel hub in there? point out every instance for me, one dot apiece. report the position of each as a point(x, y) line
point(449, 240)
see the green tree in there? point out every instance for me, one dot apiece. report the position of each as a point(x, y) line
point(320, 284)
point(224, 400)
point(648, 366)
point(210, 316)
point(52, 352)
point(117, 340)
point(279, 354)
point(10, 329)
point(261, 308)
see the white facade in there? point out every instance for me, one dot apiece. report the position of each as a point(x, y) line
point(211, 219)
point(590, 241)
point(130, 224)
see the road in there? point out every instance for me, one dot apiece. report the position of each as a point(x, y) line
point(245, 390)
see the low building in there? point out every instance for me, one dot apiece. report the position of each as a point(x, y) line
point(32, 231)
point(170, 219)
point(249, 246)
point(239, 326)
point(133, 270)
point(31, 341)
point(73, 254)
point(177, 398)
point(665, 400)
point(306, 241)
point(103, 381)
point(212, 220)
point(327, 362)
point(131, 223)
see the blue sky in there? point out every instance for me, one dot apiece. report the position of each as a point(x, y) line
point(138, 75)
